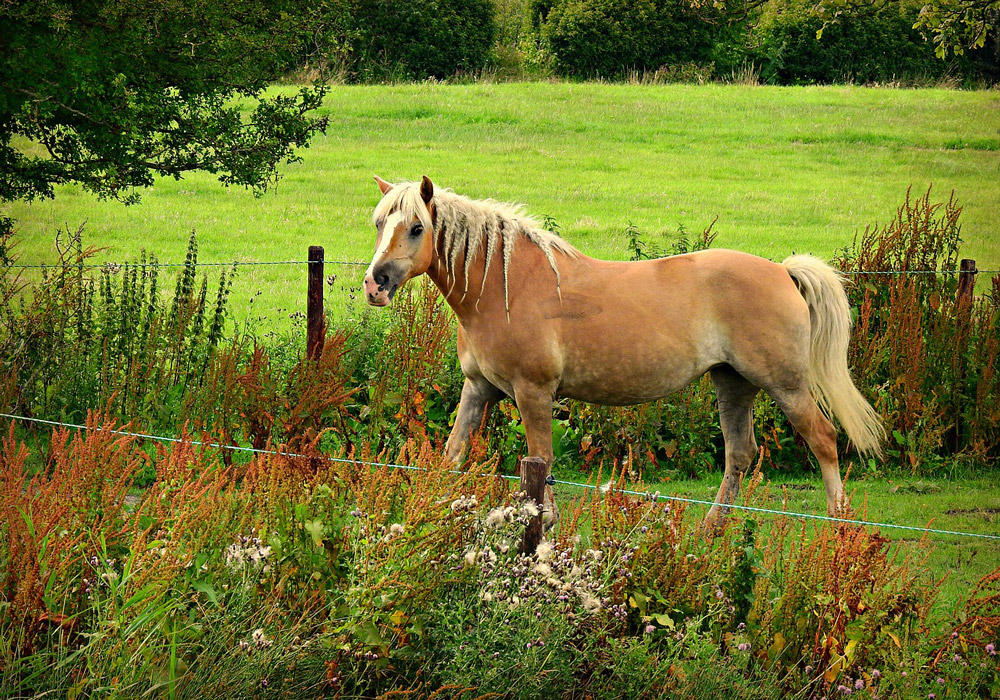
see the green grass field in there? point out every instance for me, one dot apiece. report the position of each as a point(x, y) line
point(784, 169)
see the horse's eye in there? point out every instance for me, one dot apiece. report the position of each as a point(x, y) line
point(416, 230)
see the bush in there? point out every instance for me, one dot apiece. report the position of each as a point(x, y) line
point(417, 40)
point(606, 38)
point(871, 43)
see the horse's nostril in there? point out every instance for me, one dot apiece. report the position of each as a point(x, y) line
point(381, 279)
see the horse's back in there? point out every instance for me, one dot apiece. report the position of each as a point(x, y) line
point(631, 331)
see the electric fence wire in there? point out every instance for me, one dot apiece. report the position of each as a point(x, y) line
point(655, 496)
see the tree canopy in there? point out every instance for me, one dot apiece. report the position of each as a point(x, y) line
point(111, 93)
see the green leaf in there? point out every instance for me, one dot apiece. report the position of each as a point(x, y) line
point(208, 589)
point(316, 531)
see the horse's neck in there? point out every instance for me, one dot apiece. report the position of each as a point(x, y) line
point(475, 298)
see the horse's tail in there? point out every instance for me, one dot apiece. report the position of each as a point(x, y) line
point(829, 377)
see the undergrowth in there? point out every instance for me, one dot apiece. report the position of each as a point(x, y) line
point(297, 576)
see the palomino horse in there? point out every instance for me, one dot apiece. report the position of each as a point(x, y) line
point(539, 320)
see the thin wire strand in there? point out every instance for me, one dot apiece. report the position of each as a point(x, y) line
point(234, 263)
point(113, 265)
point(233, 448)
point(655, 497)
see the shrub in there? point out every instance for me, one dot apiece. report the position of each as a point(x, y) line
point(869, 43)
point(606, 38)
point(417, 40)
point(931, 356)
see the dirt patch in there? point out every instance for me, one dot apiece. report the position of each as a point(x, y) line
point(973, 511)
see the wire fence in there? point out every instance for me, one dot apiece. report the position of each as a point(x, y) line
point(114, 266)
point(151, 264)
point(652, 496)
point(253, 263)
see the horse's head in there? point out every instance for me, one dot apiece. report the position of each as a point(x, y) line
point(404, 248)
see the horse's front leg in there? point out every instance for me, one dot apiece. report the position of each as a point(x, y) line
point(478, 397)
point(534, 403)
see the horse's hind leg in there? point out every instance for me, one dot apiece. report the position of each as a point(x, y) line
point(817, 430)
point(735, 396)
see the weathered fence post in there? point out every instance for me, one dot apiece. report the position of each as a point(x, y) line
point(963, 298)
point(966, 278)
point(533, 473)
point(315, 326)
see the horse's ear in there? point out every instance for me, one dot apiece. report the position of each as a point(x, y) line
point(426, 190)
point(382, 184)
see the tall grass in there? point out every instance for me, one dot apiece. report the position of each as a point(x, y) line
point(301, 577)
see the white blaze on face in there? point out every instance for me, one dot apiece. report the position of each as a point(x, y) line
point(388, 232)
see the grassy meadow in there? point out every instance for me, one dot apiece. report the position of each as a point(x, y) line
point(784, 169)
point(185, 571)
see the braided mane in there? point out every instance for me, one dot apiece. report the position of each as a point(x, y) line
point(465, 226)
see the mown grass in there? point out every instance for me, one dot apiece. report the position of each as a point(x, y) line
point(784, 170)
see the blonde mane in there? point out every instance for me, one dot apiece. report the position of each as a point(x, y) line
point(464, 227)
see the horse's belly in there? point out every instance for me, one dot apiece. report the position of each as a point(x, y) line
point(623, 383)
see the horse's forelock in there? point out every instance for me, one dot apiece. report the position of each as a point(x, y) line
point(405, 199)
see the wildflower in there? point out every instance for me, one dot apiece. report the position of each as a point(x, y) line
point(397, 529)
point(876, 674)
point(808, 670)
point(470, 557)
point(844, 689)
point(260, 639)
point(244, 645)
point(859, 684)
point(590, 603)
point(957, 658)
point(542, 569)
point(940, 681)
point(464, 503)
point(745, 646)
point(954, 635)
point(544, 551)
point(931, 696)
point(650, 629)
point(498, 516)
point(905, 674)
point(529, 509)
point(263, 682)
point(719, 594)
point(991, 649)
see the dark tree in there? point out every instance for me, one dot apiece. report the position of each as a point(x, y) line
point(110, 93)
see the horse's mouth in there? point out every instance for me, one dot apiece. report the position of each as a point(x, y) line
point(382, 298)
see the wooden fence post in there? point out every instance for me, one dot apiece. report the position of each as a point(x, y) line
point(966, 278)
point(533, 473)
point(963, 298)
point(315, 325)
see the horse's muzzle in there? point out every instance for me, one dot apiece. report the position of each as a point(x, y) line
point(381, 284)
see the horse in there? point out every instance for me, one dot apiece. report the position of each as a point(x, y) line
point(539, 320)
